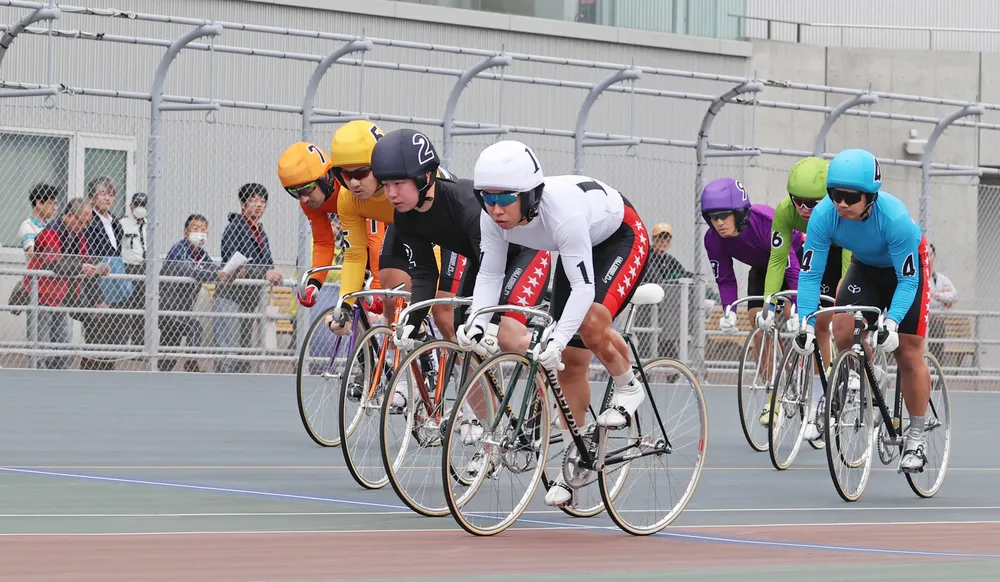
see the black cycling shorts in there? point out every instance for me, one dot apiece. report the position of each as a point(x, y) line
point(874, 286)
point(396, 254)
point(619, 266)
point(831, 274)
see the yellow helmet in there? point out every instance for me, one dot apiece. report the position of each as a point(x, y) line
point(353, 143)
point(304, 163)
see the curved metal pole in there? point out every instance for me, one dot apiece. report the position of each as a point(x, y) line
point(37, 15)
point(154, 180)
point(588, 103)
point(700, 259)
point(303, 261)
point(863, 99)
point(456, 92)
point(309, 101)
point(925, 161)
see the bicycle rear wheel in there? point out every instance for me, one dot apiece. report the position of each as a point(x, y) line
point(318, 378)
point(504, 467)
point(937, 434)
point(753, 385)
point(849, 427)
point(364, 392)
point(665, 457)
point(790, 401)
point(411, 441)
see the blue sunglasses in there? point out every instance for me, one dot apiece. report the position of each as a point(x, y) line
point(503, 198)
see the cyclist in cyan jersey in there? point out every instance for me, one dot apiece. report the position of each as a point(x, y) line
point(742, 231)
point(434, 209)
point(889, 270)
point(603, 247)
point(806, 187)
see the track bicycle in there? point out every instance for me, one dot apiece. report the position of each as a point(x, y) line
point(364, 391)
point(430, 377)
point(320, 369)
point(517, 429)
point(858, 418)
point(759, 360)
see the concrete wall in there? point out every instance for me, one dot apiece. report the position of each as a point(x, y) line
point(952, 75)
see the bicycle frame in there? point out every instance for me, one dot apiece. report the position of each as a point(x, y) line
point(396, 293)
point(860, 325)
point(402, 318)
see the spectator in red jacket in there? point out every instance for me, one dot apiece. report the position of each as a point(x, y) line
point(62, 247)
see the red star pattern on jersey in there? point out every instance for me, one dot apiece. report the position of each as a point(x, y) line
point(630, 272)
point(925, 291)
point(530, 283)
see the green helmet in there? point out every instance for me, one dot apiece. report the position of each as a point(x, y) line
point(808, 178)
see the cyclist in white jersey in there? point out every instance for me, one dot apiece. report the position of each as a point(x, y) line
point(602, 247)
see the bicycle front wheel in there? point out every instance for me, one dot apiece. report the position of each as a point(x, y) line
point(761, 353)
point(666, 456)
point(502, 467)
point(318, 378)
point(937, 435)
point(411, 440)
point(365, 390)
point(849, 426)
point(790, 401)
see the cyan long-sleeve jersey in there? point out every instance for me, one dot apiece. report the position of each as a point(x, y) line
point(751, 247)
point(889, 237)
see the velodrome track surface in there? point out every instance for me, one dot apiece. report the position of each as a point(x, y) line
point(139, 476)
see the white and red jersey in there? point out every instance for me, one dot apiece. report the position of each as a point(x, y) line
point(576, 213)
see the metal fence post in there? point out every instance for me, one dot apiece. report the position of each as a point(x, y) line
point(154, 186)
point(925, 162)
point(302, 259)
point(39, 14)
point(700, 259)
point(820, 147)
point(581, 121)
point(449, 108)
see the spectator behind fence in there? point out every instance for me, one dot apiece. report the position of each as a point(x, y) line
point(134, 256)
point(245, 235)
point(104, 236)
point(62, 247)
point(943, 296)
point(187, 258)
point(44, 202)
point(43, 199)
point(662, 268)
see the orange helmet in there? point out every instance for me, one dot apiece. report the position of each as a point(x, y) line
point(303, 166)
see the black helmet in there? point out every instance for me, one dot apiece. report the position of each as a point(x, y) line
point(406, 154)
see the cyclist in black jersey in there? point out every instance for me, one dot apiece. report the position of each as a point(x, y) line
point(432, 209)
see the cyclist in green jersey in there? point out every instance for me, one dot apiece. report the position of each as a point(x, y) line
point(806, 187)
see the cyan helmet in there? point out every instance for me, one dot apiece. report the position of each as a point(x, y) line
point(726, 194)
point(855, 169)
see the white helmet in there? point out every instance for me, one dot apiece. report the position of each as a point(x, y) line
point(508, 165)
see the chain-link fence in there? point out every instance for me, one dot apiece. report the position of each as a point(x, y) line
point(158, 278)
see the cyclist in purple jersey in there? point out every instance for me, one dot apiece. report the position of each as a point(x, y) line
point(742, 231)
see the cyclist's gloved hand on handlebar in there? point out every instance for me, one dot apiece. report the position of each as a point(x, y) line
point(373, 305)
point(792, 323)
point(727, 323)
point(339, 322)
point(482, 342)
point(765, 318)
point(549, 355)
point(805, 340)
point(307, 297)
point(888, 337)
point(406, 343)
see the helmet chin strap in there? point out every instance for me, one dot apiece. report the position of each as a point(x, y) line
point(867, 212)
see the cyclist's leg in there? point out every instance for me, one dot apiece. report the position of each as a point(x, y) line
point(619, 266)
point(912, 367)
point(526, 277)
point(394, 266)
point(452, 269)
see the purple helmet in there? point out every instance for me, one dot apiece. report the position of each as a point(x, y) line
point(726, 194)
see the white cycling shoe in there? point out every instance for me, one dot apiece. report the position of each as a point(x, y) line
point(559, 494)
point(624, 403)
